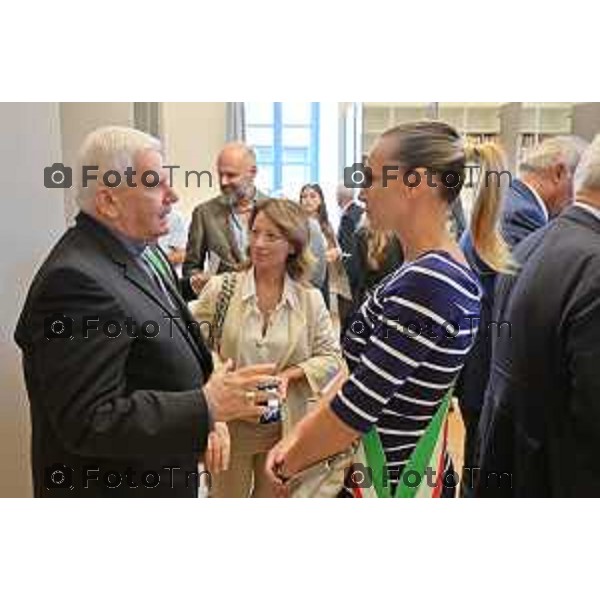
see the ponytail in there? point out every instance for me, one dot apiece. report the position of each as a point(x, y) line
point(487, 210)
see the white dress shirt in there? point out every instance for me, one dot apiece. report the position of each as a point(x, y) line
point(538, 199)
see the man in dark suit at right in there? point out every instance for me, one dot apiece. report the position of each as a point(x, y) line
point(541, 424)
point(543, 190)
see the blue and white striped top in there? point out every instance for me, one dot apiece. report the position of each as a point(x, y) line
point(405, 348)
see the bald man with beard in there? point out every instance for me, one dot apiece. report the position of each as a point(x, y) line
point(219, 227)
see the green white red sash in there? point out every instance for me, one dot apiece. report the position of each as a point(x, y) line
point(416, 481)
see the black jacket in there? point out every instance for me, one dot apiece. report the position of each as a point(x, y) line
point(348, 225)
point(540, 428)
point(361, 275)
point(100, 402)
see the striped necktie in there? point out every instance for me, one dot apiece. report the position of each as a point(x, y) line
point(160, 271)
point(159, 261)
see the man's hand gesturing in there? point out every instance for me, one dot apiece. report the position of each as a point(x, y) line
point(233, 395)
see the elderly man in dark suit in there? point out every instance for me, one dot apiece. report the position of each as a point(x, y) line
point(119, 380)
point(544, 189)
point(219, 227)
point(541, 426)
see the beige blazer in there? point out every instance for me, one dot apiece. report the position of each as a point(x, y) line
point(312, 343)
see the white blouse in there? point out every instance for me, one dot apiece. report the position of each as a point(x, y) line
point(253, 347)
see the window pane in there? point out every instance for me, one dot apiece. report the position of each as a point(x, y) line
point(259, 113)
point(296, 113)
point(296, 136)
point(264, 154)
point(265, 178)
point(296, 155)
point(293, 178)
point(259, 136)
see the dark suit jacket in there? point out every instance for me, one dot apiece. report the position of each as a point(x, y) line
point(522, 216)
point(128, 403)
point(348, 225)
point(543, 426)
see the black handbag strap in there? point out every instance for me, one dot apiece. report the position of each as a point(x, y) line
point(222, 306)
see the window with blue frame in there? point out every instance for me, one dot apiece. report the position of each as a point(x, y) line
point(285, 136)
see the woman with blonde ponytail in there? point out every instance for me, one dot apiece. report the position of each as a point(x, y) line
point(407, 344)
point(492, 180)
point(488, 254)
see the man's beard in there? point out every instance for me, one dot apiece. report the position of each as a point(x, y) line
point(242, 191)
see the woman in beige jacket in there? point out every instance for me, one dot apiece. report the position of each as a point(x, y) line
point(273, 316)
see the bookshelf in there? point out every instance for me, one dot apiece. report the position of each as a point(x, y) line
point(380, 116)
point(542, 120)
point(478, 122)
point(518, 126)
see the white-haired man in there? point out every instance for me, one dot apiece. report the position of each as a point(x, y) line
point(541, 423)
point(544, 187)
point(115, 369)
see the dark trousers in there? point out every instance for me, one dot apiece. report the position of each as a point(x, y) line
point(471, 458)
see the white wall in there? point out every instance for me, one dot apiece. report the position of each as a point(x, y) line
point(193, 134)
point(33, 220)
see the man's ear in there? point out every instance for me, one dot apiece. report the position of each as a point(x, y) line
point(252, 171)
point(560, 172)
point(106, 204)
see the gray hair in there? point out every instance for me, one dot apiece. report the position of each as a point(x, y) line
point(109, 148)
point(343, 192)
point(563, 149)
point(587, 175)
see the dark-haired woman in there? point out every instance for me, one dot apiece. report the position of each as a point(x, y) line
point(408, 342)
point(336, 283)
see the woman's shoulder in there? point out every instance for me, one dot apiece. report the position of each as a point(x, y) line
point(306, 293)
point(435, 272)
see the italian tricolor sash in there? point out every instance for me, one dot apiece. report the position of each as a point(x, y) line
point(415, 480)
